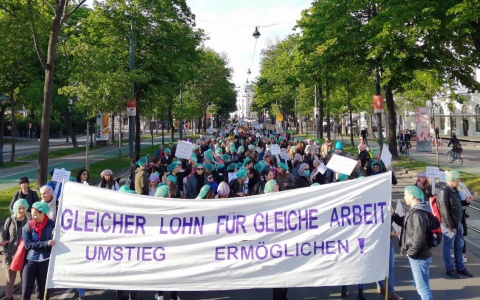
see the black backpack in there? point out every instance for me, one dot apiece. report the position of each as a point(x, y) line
point(434, 231)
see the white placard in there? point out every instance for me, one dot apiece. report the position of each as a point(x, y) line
point(401, 212)
point(274, 149)
point(111, 240)
point(184, 150)
point(386, 156)
point(341, 164)
point(279, 130)
point(442, 176)
point(61, 174)
point(321, 168)
point(432, 172)
point(210, 130)
point(465, 189)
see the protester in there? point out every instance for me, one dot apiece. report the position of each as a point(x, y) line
point(451, 211)
point(413, 239)
point(285, 179)
point(195, 182)
point(38, 238)
point(11, 235)
point(206, 192)
point(423, 183)
point(223, 190)
point(107, 181)
point(24, 193)
point(141, 177)
point(83, 176)
point(47, 194)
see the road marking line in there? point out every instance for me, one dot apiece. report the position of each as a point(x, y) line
point(65, 294)
point(28, 170)
point(472, 242)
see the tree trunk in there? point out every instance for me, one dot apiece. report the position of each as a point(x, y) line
point(170, 119)
point(138, 133)
point(14, 126)
point(320, 108)
point(71, 132)
point(392, 136)
point(327, 98)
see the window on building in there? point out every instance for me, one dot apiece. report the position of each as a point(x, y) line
point(477, 117)
point(442, 118)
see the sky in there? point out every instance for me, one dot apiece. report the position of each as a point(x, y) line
point(231, 23)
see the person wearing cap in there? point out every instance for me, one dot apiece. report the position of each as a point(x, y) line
point(154, 179)
point(223, 190)
point(237, 185)
point(303, 179)
point(413, 239)
point(451, 212)
point(423, 183)
point(285, 179)
point(24, 193)
point(206, 192)
point(271, 163)
point(166, 159)
point(38, 238)
point(11, 235)
point(107, 181)
point(376, 158)
point(141, 177)
point(195, 182)
point(47, 195)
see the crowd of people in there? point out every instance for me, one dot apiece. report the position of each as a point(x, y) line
point(228, 164)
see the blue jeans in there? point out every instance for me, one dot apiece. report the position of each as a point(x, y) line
point(456, 242)
point(391, 267)
point(421, 277)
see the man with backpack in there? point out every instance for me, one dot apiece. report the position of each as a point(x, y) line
point(451, 211)
point(415, 239)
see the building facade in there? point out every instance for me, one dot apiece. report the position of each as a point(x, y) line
point(245, 95)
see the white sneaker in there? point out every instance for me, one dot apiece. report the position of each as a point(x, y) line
point(464, 259)
point(158, 297)
point(453, 256)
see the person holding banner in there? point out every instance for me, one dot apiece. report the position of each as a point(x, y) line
point(285, 179)
point(38, 238)
point(11, 235)
point(107, 181)
point(413, 239)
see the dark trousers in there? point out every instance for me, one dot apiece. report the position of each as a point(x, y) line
point(280, 293)
point(34, 271)
point(173, 295)
point(131, 295)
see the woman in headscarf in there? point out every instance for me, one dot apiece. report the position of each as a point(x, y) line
point(303, 179)
point(265, 176)
point(38, 238)
point(107, 180)
point(11, 235)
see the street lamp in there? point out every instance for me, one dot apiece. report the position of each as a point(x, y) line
point(3, 101)
point(256, 33)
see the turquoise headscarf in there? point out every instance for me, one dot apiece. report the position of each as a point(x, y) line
point(18, 203)
point(162, 191)
point(204, 191)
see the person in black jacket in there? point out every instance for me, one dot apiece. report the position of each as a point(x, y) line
point(413, 239)
point(451, 211)
point(24, 193)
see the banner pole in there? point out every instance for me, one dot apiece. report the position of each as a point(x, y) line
point(386, 288)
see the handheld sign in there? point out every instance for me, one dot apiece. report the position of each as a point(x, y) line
point(386, 157)
point(184, 150)
point(274, 149)
point(61, 174)
point(342, 164)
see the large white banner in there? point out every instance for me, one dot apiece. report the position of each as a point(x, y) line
point(336, 234)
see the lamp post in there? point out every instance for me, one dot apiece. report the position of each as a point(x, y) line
point(131, 117)
point(3, 101)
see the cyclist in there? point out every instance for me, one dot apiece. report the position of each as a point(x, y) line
point(401, 141)
point(407, 138)
point(455, 144)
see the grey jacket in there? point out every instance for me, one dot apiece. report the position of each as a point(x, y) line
point(13, 234)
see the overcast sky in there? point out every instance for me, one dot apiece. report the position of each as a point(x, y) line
point(231, 23)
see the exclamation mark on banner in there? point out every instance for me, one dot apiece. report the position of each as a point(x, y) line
point(361, 243)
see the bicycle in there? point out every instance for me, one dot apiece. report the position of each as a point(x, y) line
point(455, 155)
point(404, 149)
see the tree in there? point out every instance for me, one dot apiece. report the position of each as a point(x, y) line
point(59, 12)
